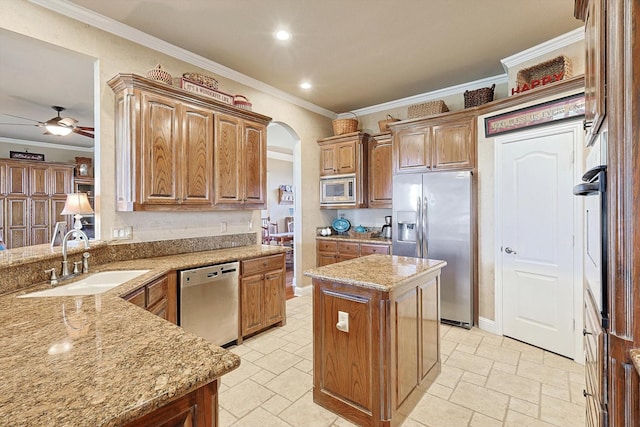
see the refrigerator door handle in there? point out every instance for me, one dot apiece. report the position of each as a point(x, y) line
point(418, 228)
point(425, 228)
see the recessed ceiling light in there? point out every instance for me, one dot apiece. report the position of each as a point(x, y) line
point(305, 85)
point(282, 35)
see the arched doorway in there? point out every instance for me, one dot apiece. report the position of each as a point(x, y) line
point(283, 169)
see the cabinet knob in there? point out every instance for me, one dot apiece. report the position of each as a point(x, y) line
point(184, 199)
point(177, 199)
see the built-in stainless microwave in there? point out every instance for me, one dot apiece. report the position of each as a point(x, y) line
point(338, 190)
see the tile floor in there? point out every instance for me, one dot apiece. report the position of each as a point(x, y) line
point(486, 380)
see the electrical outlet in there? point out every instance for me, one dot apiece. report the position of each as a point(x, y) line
point(223, 227)
point(250, 225)
point(343, 321)
point(124, 232)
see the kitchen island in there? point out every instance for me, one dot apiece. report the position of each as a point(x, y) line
point(100, 360)
point(376, 336)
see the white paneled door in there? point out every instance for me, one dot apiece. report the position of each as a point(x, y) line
point(537, 241)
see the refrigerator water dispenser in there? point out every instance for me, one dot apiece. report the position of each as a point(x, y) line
point(407, 231)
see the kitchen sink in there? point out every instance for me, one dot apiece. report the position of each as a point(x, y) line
point(92, 284)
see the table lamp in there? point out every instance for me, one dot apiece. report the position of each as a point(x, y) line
point(77, 204)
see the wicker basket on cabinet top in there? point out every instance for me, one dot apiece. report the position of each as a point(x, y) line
point(427, 109)
point(560, 65)
point(473, 98)
point(344, 126)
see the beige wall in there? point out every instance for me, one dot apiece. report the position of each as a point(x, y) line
point(116, 55)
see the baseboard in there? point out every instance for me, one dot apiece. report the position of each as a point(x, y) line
point(488, 325)
point(305, 290)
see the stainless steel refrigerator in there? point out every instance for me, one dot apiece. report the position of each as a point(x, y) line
point(432, 218)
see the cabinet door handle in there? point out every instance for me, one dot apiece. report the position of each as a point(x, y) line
point(585, 394)
point(585, 333)
point(586, 124)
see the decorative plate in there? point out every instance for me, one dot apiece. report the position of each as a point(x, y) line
point(340, 225)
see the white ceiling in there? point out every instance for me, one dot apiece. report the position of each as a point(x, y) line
point(357, 53)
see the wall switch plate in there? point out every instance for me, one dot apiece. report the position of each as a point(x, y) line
point(223, 227)
point(124, 232)
point(343, 321)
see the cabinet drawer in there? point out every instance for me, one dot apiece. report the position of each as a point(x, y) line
point(347, 248)
point(366, 249)
point(263, 264)
point(327, 246)
point(137, 297)
point(156, 291)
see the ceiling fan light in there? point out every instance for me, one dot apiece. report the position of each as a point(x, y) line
point(58, 130)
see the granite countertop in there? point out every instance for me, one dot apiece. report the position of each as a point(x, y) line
point(100, 360)
point(380, 272)
point(347, 238)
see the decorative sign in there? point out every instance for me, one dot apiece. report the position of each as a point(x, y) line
point(26, 156)
point(536, 115)
point(551, 78)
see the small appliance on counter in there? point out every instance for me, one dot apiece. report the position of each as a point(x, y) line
point(386, 228)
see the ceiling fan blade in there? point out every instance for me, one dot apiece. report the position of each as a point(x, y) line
point(24, 118)
point(87, 128)
point(20, 124)
point(83, 133)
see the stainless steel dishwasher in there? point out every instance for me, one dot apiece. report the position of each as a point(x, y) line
point(209, 302)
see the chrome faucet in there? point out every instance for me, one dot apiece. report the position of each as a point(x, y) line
point(65, 239)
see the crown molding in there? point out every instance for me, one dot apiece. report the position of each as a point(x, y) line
point(89, 17)
point(276, 155)
point(543, 48)
point(428, 96)
point(15, 141)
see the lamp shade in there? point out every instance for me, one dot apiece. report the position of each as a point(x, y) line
point(77, 203)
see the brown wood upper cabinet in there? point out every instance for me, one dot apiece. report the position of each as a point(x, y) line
point(442, 143)
point(240, 162)
point(343, 154)
point(593, 14)
point(177, 150)
point(380, 171)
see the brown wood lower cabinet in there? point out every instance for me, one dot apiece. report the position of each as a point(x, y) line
point(158, 297)
point(198, 408)
point(376, 372)
point(332, 251)
point(262, 294)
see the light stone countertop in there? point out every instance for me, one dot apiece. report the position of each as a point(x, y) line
point(100, 360)
point(379, 272)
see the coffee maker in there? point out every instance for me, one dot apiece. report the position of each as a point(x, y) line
point(386, 228)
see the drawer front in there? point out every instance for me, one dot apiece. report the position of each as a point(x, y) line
point(347, 248)
point(137, 297)
point(367, 249)
point(263, 264)
point(327, 246)
point(157, 290)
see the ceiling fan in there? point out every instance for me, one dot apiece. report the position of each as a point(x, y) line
point(60, 126)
